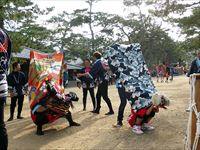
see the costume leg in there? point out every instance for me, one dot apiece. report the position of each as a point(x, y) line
point(41, 119)
point(98, 98)
point(20, 106)
point(91, 90)
point(145, 122)
point(3, 132)
point(84, 98)
point(12, 107)
point(68, 116)
point(147, 118)
point(122, 95)
point(106, 98)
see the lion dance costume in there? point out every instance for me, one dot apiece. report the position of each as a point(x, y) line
point(46, 94)
point(128, 65)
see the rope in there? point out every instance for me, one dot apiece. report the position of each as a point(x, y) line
point(187, 138)
point(193, 108)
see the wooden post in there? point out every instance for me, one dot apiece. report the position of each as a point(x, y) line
point(197, 101)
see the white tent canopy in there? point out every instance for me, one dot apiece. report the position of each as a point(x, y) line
point(25, 53)
point(75, 67)
point(74, 63)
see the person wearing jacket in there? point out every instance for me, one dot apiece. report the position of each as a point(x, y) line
point(99, 72)
point(5, 52)
point(88, 84)
point(195, 65)
point(16, 83)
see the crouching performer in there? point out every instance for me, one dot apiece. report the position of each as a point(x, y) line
point(47, 99)
point(140, 118)
point(51, 107)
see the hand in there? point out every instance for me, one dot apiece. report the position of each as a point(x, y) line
point(156, 109)
point(79, 75)
point(12, 94)
point(97, 83)
point(79, 85)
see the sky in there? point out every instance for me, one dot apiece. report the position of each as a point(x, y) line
point(108, 6)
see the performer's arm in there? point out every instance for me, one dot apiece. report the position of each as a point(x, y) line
point(93, 72)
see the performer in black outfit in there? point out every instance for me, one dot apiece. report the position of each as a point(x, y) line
point(98, 71)
point(16, 83)
point(52, 107)
point(5, 51)
point(88, 84)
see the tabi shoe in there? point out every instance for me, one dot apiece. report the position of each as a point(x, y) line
point(147, 127)
point(109, 113)
point(95, 111)
point(137, 129)
point(10, 119)
point(39, 131)
point(118, 125)
point(74, 124)
point(19, 117)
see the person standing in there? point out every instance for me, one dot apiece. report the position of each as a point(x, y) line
point(167, 74)
point(87, 84)
point(171, 73)
point(195, 65)
point(5, 52)
point(98, 71)
point(16, 83)
point(194, 68)
point(123, 95)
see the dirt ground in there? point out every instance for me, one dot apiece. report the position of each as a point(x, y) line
point(96, 131)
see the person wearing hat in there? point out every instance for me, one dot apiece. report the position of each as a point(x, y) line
point(98, 71)
point(139, 119)
point(5, 53)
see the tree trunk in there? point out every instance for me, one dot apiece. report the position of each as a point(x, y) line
point(1, 17)
point(1, 23)
point(90, 26)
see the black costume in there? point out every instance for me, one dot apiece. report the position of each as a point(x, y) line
point(51, 112)
point(99, 72)
point(16, 83)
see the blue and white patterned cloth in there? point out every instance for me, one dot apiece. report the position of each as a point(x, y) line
point(128, 64)
point(5, 52)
